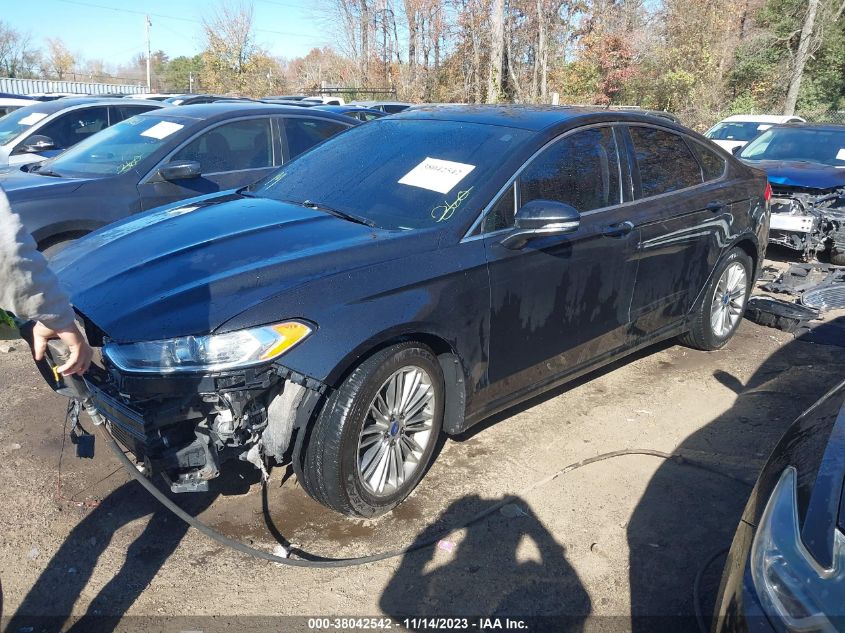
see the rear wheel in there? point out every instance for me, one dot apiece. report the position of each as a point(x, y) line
point(718, 313)
point(376, 435)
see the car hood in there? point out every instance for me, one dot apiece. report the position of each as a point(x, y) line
point(22, 185)
point(188, 268)
point(801, 174)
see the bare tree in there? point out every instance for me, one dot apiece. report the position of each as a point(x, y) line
point(801, 57)
point(17, 58)
point(497, 37)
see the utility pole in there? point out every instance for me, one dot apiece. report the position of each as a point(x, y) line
point(191, 82)
point(147, 25)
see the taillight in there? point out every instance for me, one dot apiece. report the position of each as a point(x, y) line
point(768, 195)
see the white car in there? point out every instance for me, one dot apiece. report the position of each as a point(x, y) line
point(325, 100)
point(36, 132)
point(737, 130)
point(8, 104)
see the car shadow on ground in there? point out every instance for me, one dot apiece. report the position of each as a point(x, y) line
point(506, 565)
point(47, 605)
point(686, 514)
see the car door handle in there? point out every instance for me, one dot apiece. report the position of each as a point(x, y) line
point(716, 205)
point(618, 230)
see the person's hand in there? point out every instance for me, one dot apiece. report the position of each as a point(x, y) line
point(80, 352)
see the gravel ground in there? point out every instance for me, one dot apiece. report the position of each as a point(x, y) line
point(597, 545)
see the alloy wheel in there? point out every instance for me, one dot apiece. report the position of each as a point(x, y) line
point(728, 300)
point(396, 431)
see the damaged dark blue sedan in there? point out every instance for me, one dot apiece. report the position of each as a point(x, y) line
point(407, 278)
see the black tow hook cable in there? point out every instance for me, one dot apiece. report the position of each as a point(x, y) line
point(363, 560)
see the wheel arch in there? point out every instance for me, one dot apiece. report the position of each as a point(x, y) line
point(454, 375)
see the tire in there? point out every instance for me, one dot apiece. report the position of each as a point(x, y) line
point(352, 458)
point(707, 332)
point(837, 247)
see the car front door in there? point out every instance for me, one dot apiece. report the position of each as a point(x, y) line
point(683, 219)
point(232, 154)
point(560, 303)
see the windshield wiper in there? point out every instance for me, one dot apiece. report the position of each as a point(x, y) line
point(41, 171)
point(336, 212)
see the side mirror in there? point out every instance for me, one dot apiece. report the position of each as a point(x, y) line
point(38, 143)
point(180, 170)
point(736, 150)
point(541, 218)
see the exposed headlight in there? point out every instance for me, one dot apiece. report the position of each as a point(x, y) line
point(214, 352)
point(797, 593)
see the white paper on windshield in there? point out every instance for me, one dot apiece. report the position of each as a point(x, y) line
point(162, 129)
point(840, 155)
point(763, 126)
point(32, 119)
point(436, 175)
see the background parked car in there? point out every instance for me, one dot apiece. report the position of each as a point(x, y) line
point(388, 107)
point(421, 272)
point(156, 158)
point(805, 164)
point(9, 104)
point(737, 130)
point(35, 132)
point(786, 567)
point(183, 100)
point(356, 112)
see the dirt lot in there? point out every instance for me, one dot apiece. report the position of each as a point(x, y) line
point(622, 537)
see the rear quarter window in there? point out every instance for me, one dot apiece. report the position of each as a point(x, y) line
point(712, 165)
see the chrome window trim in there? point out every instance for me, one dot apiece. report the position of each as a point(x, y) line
point(468, 235)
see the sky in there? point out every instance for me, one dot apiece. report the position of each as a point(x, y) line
point(113, 30)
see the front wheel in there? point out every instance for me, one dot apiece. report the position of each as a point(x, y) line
point(718, 312)
point(374, 438)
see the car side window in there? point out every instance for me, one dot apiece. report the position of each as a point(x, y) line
point(665, 162)
point(239, 145)
point(501, 216)
point(302, 134)
point(581, 170)
point(74, 126)
point(712, 165)
point(121, 113)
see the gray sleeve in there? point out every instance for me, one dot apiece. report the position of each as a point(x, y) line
point(28, 288)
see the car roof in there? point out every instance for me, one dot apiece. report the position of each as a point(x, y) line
point(73, 102)
point(760, 118)
point(826, 127)
point(229, 109)
point(528, 117)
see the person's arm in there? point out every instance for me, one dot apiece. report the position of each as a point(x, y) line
point(30, 290)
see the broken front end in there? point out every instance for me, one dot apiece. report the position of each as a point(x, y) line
point(185, 406)
point(809, 221)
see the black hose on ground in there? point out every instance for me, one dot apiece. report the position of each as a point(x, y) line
point(321, 562)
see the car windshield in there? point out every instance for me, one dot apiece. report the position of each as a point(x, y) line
point(824, 146)
point(19, 121)
point(396, 174)
point(116, 149)
point(736, 130)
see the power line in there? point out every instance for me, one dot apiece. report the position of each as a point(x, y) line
point(170, 17)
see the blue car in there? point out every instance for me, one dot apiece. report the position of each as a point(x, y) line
point(413, 275)
point(806, 168)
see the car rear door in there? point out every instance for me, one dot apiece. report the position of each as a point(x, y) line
point(561, 303)
point(231, 154)
point(683, 220)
